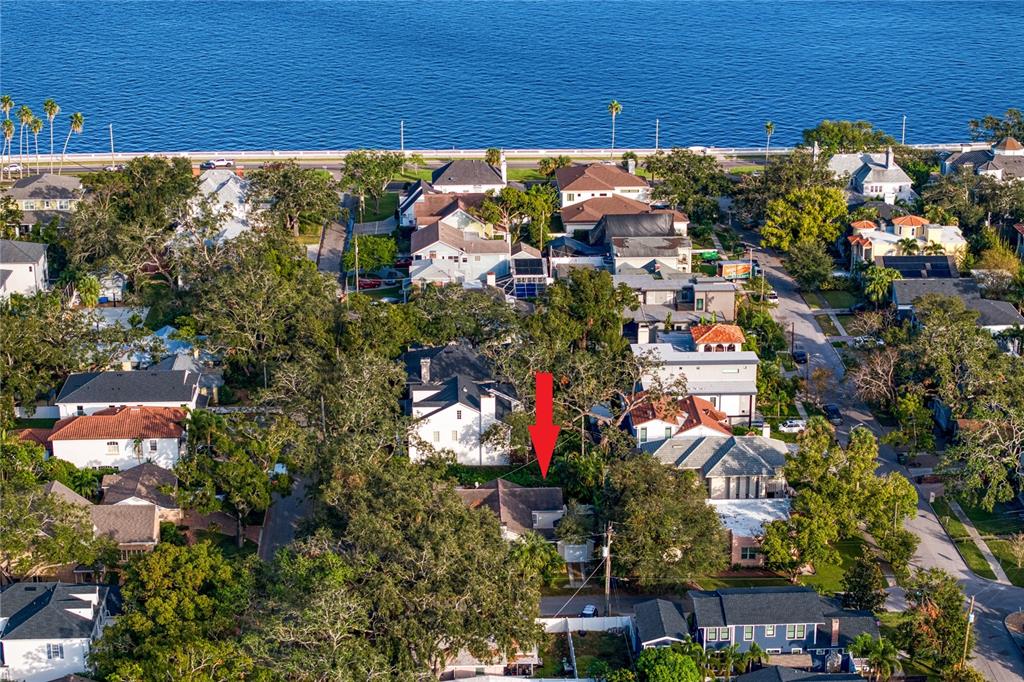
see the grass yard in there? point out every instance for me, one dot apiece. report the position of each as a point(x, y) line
point(383, 292)
point(828, 578)
point(34, 423)
point(1004, 519)
point(388, 205)
point(846, 320)
point(600, 646)
point(743, 170)
point(825, 322)
point(227, 543)
point(707, 269)
point(812, 300)
point(971, 553)
point(526, 175)
point(839, 299)
point(1001, 548)
point(414, 175)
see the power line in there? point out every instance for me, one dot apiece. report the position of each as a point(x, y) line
point(596, 569)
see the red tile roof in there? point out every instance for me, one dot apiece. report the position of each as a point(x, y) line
point(717, 333)
point(864, 225)
point(596, 177)
point(592, 210)
point(1009, 144)
point(909, 221)
point(687, 413)
point(121, 423)
point(34, 435)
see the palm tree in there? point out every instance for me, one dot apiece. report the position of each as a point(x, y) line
point(878, 281)
point(24, 118)
point(908, 246)
point(36, 127)
point(884, 659)
point(492, 157)
point(933, 249)
point(6, 104)
point(75, 125)
point(51, 108)
point(614, 108)
point(729, 657)
point(769, 128)
point(8, 130)
point(755, 655)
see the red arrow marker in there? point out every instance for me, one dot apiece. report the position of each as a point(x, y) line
point(543, 433)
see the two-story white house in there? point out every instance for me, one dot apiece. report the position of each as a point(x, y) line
point(121, 437)
point(89, 392)
point(1003, 161)
point(47, 629)
point(445, 255)
point(45, 197)
point(873, 176)
point(691, 417)
point(454, 401)
point(712, 361)
point(577, 184)
point(871, 240)
point(226, 190)
point(645, 241)
point(23, 268)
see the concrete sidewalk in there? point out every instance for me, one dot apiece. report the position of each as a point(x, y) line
point(993, 563)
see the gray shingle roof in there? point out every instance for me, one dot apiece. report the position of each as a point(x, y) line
point(46, 186)
point(146, 481)
point(758, 606)
point(447, 361)
point(12, 251)
point(40, 610)
point(65, 493)
point(635, 225)
point(723, 455)
point(513, 504)
point(777, 673)
point(126, 523)
point(658, 619)
point(995, 313)
point(121, 388)
point(907, 290)
point(466, 172)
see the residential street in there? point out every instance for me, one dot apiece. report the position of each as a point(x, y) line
point(283, 518)
point(995, 654)
point(622, 604)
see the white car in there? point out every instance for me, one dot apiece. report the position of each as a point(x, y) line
point(868, 341)
point(792, 426)
point(13, 168)
point(773, 296)
point(222, 163)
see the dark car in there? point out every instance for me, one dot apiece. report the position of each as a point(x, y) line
point(833, 414)
point(799, 355)
point(589, 611)
point(207, 165)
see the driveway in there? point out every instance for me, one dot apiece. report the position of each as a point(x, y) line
point(995, 655)
point(283, 519)
point(622, 604)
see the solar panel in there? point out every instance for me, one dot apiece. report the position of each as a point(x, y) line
point(528, 266)
point(917, 267)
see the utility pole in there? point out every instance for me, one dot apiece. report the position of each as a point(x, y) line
point(657, 130)
point(792, 337)
point(356, 240)
point(401, 135)
point(112, 144)
point(903, 136)
point(967, 632)
point(607, 569)
point(323, 416)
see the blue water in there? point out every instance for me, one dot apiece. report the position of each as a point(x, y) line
point(327, 74)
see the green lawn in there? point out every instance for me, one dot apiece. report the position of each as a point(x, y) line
point(846, 321)
point(227, 543)
point(600, 646)
point(414, 175)
point(553, 650)
point(1001, 548)
point(741, 170)
point(525, 175)
point(383, 292)
point(828, 578)
point(812, 300)
point(34, 423)
point(1004, 519)
point(971, 553)
point(709, 270)
point(825, 322)
point(839, 299)
point(388, 205)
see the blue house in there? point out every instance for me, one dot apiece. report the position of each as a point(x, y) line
point(780, 620)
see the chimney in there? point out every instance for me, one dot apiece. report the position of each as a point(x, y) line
point(488, 407)
point(766, 430)
point(504, 169)
point(888, 157)
point(643, 333)
point(835, 632)
point(425, 370)
point(631, 166)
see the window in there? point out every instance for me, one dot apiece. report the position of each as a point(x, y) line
point(30, 205)
point(748, 633)
point(455, 436)
point(47, 203)
point(769, 630)
point(642, 437)
point(668, 432)
point(80, 410)
point(712, 634)
point(796, 632)
point(54, 651)
point(476, 259)
point(773, 651)
point(700, 304)
point(749, 553)
point(112, 448)
point(152, 445)
point(796, 650)
point(437, 436)
point(458, 414)
point(723, 634)
point(64, 204)
point(570, 196)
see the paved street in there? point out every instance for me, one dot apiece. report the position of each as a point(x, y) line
point(622, 604)
point(995, 655)
point(283, 518)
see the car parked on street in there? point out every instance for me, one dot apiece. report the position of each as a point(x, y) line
point(868, 342)
point(114, 167)
point(589, 611)
point(13, 168)
point(773, 296)
point(370, 283)
point(793, 426)
point(832, 413)
point(799, 354)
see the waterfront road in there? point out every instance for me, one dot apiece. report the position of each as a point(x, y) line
point(995, 655)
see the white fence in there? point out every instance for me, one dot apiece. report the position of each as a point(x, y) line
point(600, 624)
point(42, 412)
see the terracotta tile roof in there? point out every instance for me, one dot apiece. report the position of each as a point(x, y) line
point(120, 423)
point(34, 435)
point(1009, 144)
point(592, 210)
point(864, 225)
point(717, 333)
point(909, 221)
point(437, 206)
point(595, 177)
point(687, 413)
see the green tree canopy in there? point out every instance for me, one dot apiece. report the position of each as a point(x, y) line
point(834, 137)
point(367, 173)
point(812, 214)
point(666, 664)
point(994, 128)
point(692, 182)
point(936, 621)
point(809, 263)
point(288, 197)
point(375, 252)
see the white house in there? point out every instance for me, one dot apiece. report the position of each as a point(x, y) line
point(725, 378)
point(871, 240)
point(22, 268)
point(454, 400)
point(645, 240)
point(462, 256)
point(121, 437)
point(470, 175)
point(89, 392)
point(47, 629)
point(874, 175)
point(1003, 160)
point(227, 192)
point(690, 417)
point(580, 183)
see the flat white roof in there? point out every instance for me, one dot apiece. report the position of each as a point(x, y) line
point(747, 518)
